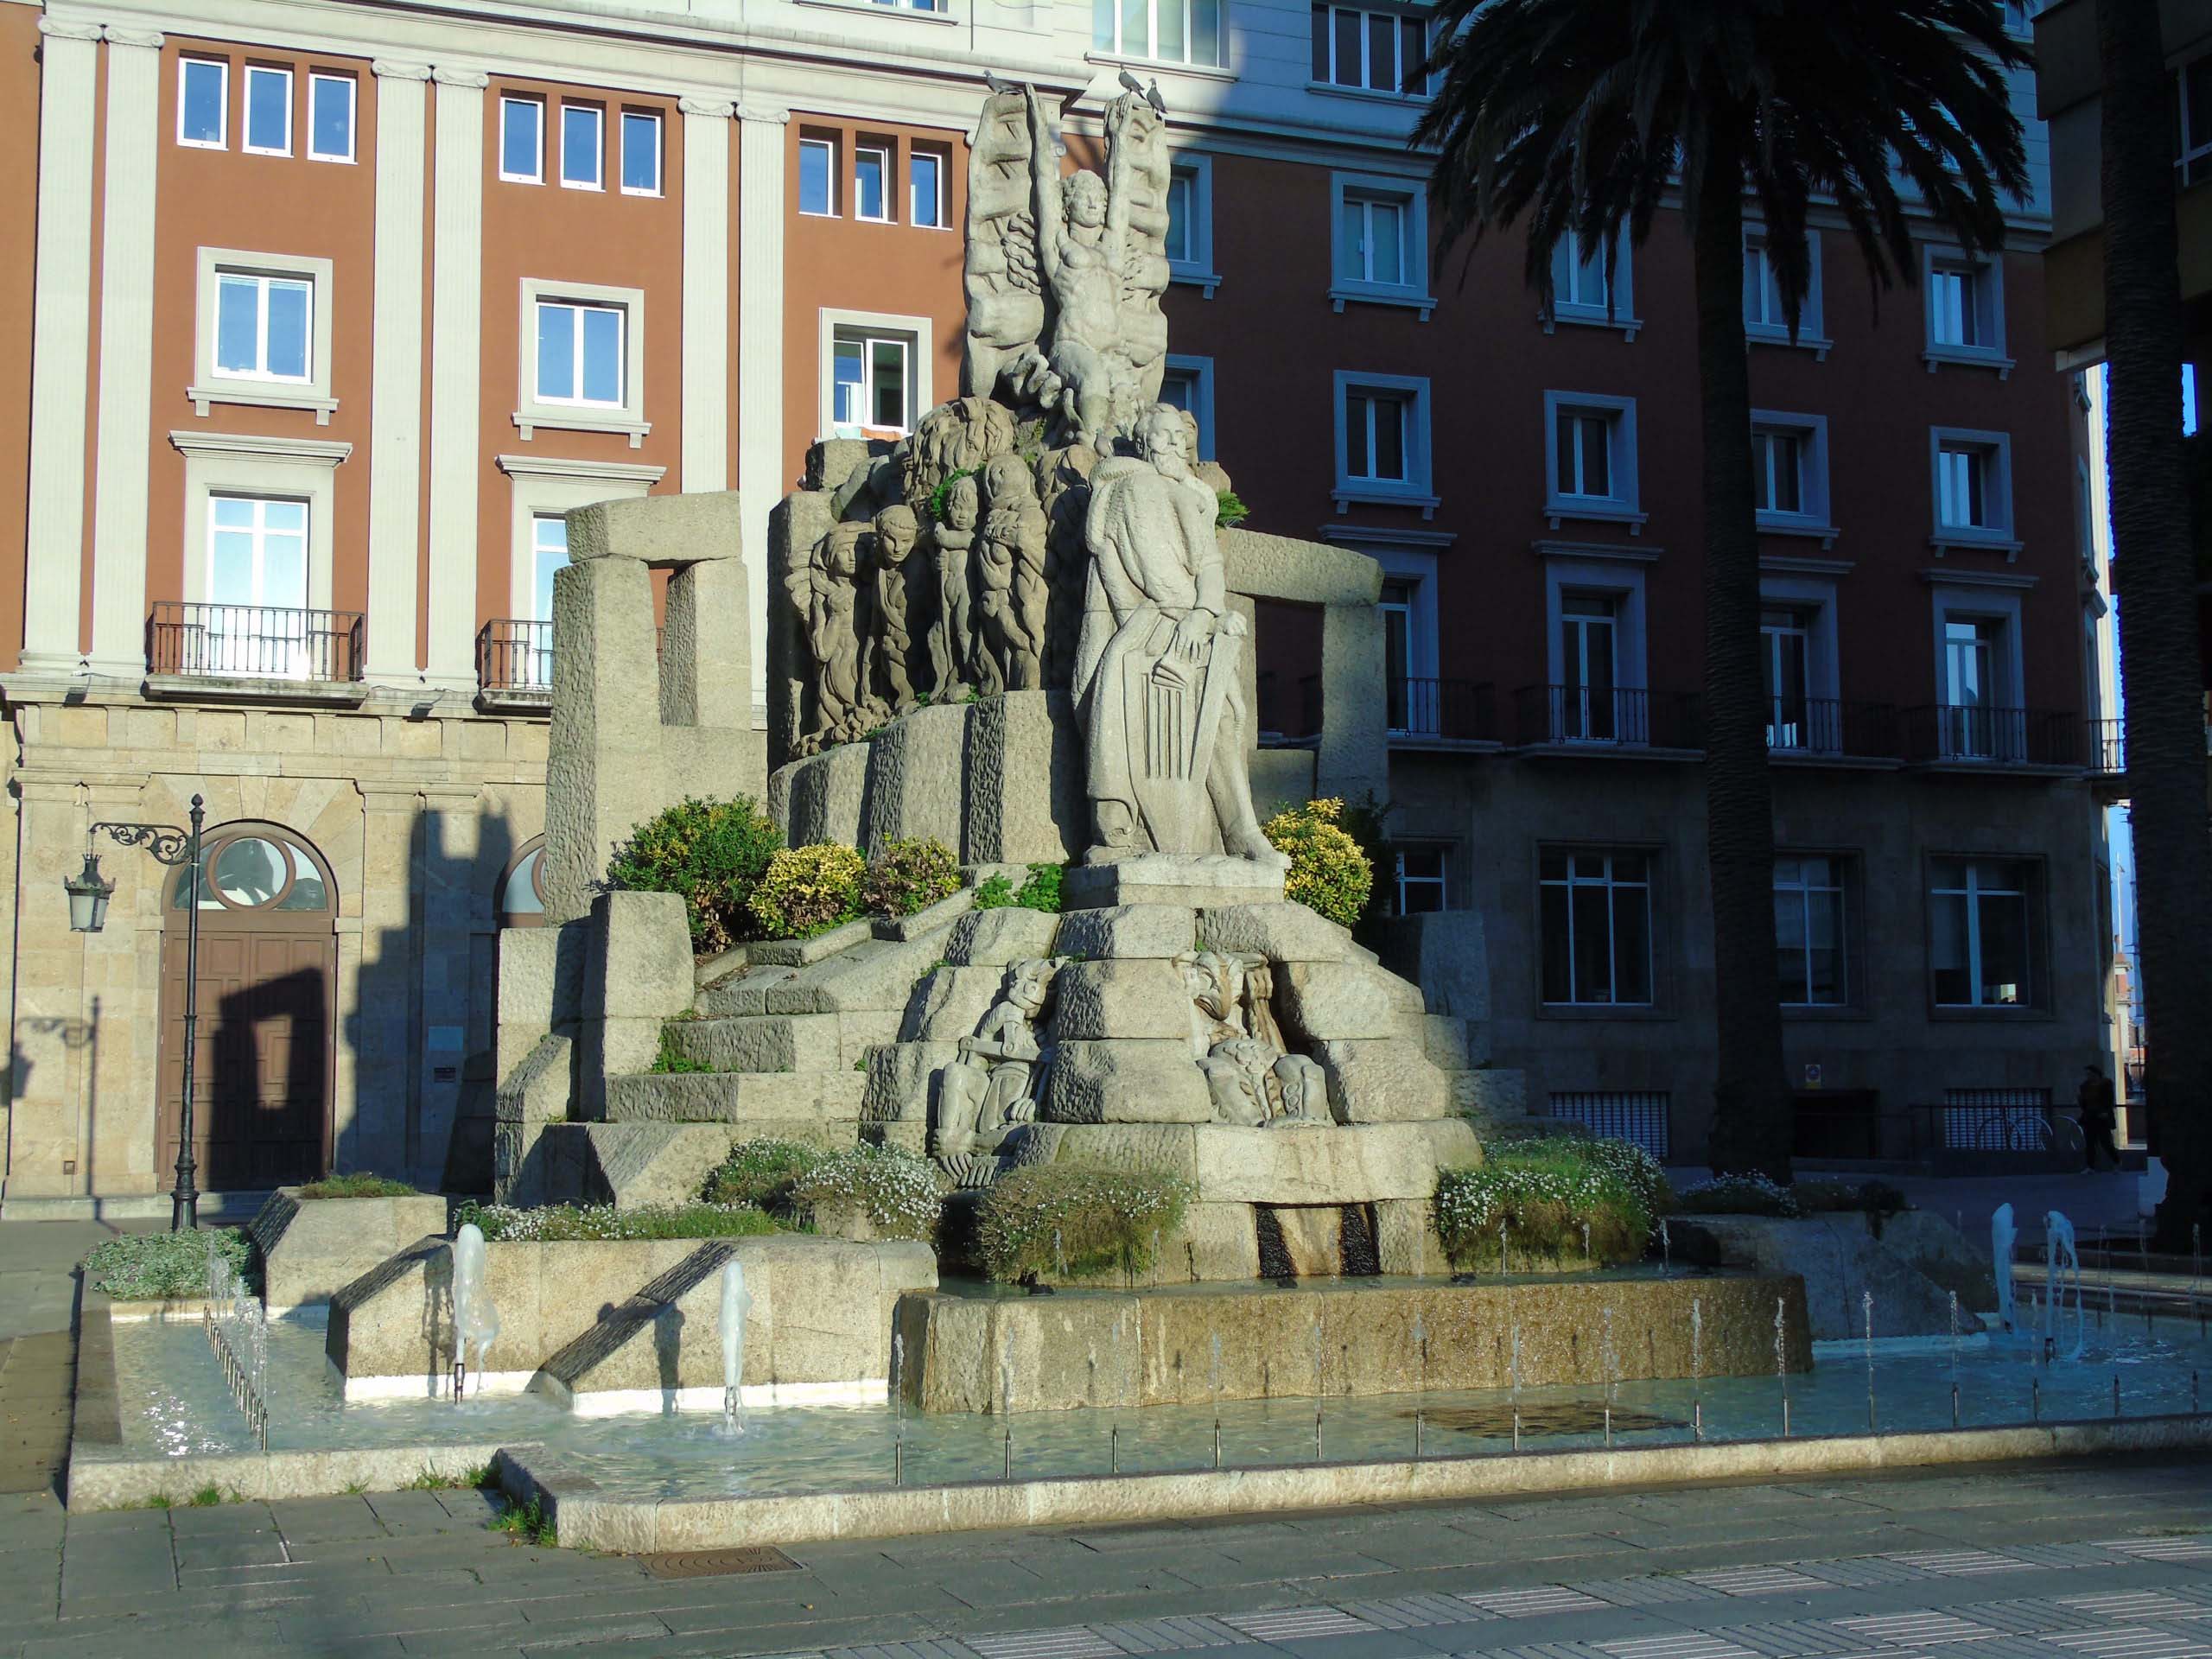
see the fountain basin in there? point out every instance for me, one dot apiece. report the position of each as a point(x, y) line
point(1149, 1346)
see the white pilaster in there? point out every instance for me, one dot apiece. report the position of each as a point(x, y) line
point(119, 482)
point(456, 338)
point(760, 471)
point(396, 373)
point(706, 294)
point(60, 347)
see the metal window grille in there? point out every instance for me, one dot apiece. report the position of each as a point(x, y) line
point(1997, 1120)
point(1640, 1119)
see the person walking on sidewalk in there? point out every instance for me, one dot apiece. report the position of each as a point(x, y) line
point(2099, 1114)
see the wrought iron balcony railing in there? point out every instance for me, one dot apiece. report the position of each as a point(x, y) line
point(1607, 717)
point(1985, 734)
point(253, 642)
point(1829, 726)
point(1455, 711)
point(515, 654)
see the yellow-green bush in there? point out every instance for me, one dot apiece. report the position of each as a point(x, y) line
point(808, 890)
point(1329, 874)
point(910, 875)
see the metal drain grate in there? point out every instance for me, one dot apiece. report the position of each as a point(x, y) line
point(717, 1563)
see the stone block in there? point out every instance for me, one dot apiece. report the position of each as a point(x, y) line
point(1283, 933)
point(1381, 1080)
point(1166, 1147)
point(1325, 1164)
point(739, 1097)
point(804, 953)
point(833, 461)
point(1444, 1039)
point(1128, 930)
point(994, 938)
point(931, 918)
point(951, 1002)
point(1127, 1081)
point(1405, 1237)
point(1198, 880)
point(659, 530)
point(310, 1248)
point(1121, 997)
point(877, 976)
point(1318, 1000)
point(1310, 572)
point(767, 1042)
point(1024, 788)
point(900, 1077)
point(917, 770)
point(635, 1164)
point(743, 992)
point(1216, 1242)
point(640, 960)
point(542, 974)
point(1498, 1092)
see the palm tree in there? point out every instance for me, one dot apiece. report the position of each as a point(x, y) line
point(1589, 116)
point(2154, 566)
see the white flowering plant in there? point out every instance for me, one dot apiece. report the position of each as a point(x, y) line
point(568, 1223)
point(1751, 1194)
point(1076, 1221)
point(900, 1193)
point(1543, 1193)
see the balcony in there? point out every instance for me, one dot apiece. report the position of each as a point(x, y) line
point(1606, 719)
point(1443, 712)
point(1814, 730)
point(514, 664)
point(1978, 736)
point(254, 653)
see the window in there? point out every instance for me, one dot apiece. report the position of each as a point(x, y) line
point(1972, 488)
point(1976, 724)
point(1583, 291)
point(1590, 442)
point(1377, 51)
point(1763, 317)
point(1189, 240)
point(1188, 385)
point(203, 103)
point(522, 140)
point(1422, 876)
point(1381, 252)
point(1396, 606)
point(1596, 927)
point(1182, 200)
point(581, 150)
point(875, 372)
point(1785, 658)
point(1590, 702)
point(579, 353)
point(1980, 915)
point(1640, 1117)
point(268, 110)
point(817, 177)
point(260, 511)
point(1808, 931)
point(548, 553)
point(1374, 228)
point(1382, 439)
point(264, 327)
point(1173, 31)
point(925, 205)
point(330, 117)
point(257, 552)
point(2192, 120)
point(1965, 311)
point(263, 332)
point(1790, 473)
point(583, 360)
point(872, 182)
point(640, 153)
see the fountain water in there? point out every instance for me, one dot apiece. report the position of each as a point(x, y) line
point(736, 1303)
point(475, 1321)
point(2059, 1250)
point(1697, 1366)
point(1585, 1244)
point(1955, 1359)
point(1215, 1345)
point(1867, 1304)
point(1501, 1249)
point(2001, 1235)
point(1516, 1387)
point(1782, 1359)
point(1666, 1248)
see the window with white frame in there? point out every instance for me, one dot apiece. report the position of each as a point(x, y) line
point(1764, 317)
point(330, 117)
point(872, 182)
point(1978, 670)
point(817, 177)
point(1595, 934)
point(1380, 241)
point(1188, 385)
point(925, 175)
point(1981, 925)
point(263, 332)
point(1401, 698)
point(1168, 31)
point(582, 366)
point(548, 555)
point(1966, 309)
point(1373, 49)
point(268, 110)
point(872, 380)
point(522, 140)
point(1584, 291)
point(1382, 447)
point(1590, 454)
point(1190, 222)
point(1789, 473)
point(1797, 664)
point(2193, 120)
point(1972, 487)
point(1811, 943)
point(1421, 878)
point(203, 103)
point(641, 159)
point(256, 570)
point(583, 146)
point(1595, 659)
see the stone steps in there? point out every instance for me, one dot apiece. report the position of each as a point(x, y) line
point(746, 1097)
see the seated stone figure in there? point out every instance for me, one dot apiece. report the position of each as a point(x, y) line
point(991, 1085)
point(1238, 1046)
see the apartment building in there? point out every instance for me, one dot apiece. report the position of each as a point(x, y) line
point(332, 308)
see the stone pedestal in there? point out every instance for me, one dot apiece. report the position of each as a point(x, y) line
point(1206, 878)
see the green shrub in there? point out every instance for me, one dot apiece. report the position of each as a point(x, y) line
point(761, 1173)
point(1329, 874)
point(1041, 889)
point(561, 1223)
point(897, 1192)
point(669, 1061)
point(1544, 1191)
point(808, 890)
point(1229, 510)
point(710, 852)
point(1877, 1198)
point(910, 875)
point(357, 1186)
point(1076, 1221)
point(1738, 1195)
point(994, 892)
point(153, 1267)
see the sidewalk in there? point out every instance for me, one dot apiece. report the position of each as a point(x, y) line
point(38, 1348)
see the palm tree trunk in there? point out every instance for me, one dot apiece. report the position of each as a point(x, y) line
point(2154, 571)
point(1751, 1103)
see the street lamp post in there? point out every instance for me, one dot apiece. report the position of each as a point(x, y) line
point(89, 893)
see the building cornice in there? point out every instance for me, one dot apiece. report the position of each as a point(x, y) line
point(305, 452)
point(603, 472)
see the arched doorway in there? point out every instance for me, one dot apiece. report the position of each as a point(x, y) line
point(268, 985)
point(520, 901)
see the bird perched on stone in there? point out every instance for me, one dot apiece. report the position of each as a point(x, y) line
point(1152, 97)
point(1130, 83)
point(998, 85)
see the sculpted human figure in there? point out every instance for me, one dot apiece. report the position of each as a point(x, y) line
point(1080, 241)
point(825, 592)
point(1063, 490)
point(896, 530)
point(1011, 569)
point(952, 631)
point(1005, 302)
point(1156, 679)
point(991, 1082)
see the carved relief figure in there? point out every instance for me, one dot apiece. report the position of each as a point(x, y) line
point(824, 592)
point(1063, 489)
point(1238, 1045)
point(897, 530)
point(1155, 678)
point(952, 631)
point(991, 1083)
point(1005, 302)
point(1011, 575)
